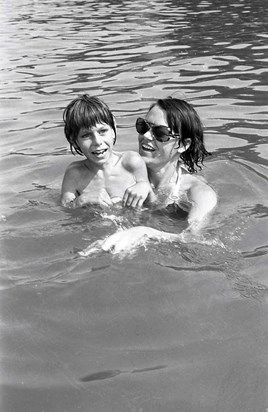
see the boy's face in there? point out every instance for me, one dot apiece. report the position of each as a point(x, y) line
point(96, 142)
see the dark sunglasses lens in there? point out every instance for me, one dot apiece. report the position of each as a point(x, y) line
point(161, 133)
point(141, 126)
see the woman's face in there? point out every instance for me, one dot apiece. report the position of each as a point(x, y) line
point(156, 154)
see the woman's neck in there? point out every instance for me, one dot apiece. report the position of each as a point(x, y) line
point(162, 176)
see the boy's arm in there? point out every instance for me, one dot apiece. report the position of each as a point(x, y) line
point(69, 187)
point(136, 194)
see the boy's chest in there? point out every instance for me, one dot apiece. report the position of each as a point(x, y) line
point(115, 181)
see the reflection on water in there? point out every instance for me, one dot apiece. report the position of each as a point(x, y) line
point(168, 328)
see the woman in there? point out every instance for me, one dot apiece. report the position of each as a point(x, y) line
point(171, 144)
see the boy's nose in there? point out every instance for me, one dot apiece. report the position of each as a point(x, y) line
point(97, 138)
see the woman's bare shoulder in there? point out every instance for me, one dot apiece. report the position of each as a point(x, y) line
point(189, 180)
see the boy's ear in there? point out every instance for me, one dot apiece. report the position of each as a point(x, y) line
point(115, 126)
point(74, 143)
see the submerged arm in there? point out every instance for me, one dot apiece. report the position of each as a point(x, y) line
point(129, 239)
point(203, 200)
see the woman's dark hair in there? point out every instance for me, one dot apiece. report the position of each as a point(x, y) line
point(183, 119)
point(84, 112)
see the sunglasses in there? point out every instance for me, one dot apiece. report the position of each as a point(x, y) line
point(161, 133)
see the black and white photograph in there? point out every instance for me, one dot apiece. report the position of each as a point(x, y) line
point(134, 206)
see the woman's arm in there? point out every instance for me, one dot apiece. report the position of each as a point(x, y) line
point(128, 240)
point(125, 241)
point(203, 199)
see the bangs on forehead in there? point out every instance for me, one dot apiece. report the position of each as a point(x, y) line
point(86, 116)
point(85, 112)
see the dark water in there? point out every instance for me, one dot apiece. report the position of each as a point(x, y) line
point(169, 328)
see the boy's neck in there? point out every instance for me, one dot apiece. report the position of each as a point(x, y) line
point(95, 167)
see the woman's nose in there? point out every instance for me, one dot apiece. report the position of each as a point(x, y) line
point(149, 135)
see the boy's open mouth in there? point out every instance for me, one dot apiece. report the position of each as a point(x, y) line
point(99, 152)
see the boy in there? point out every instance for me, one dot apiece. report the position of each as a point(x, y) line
point(104, 176)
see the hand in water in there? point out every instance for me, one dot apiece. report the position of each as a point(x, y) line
point(126, 240)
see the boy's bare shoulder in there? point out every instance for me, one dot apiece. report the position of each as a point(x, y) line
point(131, 159)
point(75, 167)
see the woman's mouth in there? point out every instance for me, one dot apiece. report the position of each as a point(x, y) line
point(147, 148)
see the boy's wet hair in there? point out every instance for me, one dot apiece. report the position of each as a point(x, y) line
point(84, 112)
point(184, 120)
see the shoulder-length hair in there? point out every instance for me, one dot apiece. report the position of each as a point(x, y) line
point(182, 119)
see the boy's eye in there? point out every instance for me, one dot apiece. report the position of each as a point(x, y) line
point(103, 130)
point(86, 136)
point(90, 134)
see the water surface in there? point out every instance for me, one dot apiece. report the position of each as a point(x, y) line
point(170, 327)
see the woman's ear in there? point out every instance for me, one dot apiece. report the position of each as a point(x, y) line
point(187, 144)
point(183, 146)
